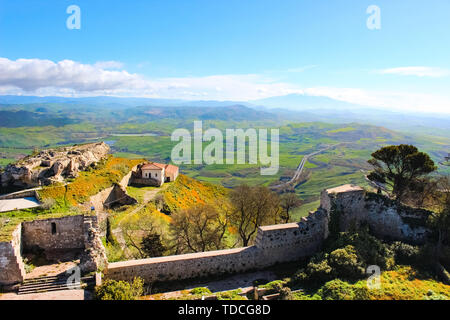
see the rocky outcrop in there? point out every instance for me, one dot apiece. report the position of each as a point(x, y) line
point(53, 165)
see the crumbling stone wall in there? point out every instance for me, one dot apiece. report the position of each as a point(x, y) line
point(12, 270)
point(274, 244)
point(78, 233)
point(115, 195)
point(346, 205)
point(68, 233)
point(386, 218)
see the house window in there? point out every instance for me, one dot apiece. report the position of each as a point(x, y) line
point(156, 175)
point(53, 228)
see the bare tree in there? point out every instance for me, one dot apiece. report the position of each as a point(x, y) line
point(252, 208)
point(198, 229)
point(288, 202)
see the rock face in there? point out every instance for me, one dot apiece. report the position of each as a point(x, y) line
point(53, 165)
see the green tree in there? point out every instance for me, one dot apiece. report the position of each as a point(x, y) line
point(399, 167)
point(152, 245)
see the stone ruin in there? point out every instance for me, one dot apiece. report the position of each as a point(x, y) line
point(344, 207)
point(77, 236)
point(53, 165)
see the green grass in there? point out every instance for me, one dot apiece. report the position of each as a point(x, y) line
point(304, 210)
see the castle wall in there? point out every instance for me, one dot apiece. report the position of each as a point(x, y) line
point(69, 233)
point(387, 219)
point(274, 244)
point(12, 270)
point(350, 205)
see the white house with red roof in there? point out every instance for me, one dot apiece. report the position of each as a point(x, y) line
point(159, 172)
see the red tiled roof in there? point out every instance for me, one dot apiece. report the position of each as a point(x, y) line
point(159, 166)
point(151, 166)
point(171, 169)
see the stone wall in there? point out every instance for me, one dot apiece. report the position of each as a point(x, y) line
point(78, 233)
point(20, 194)
point(116, 194)
point(386, 218)
point(68, 234)
point(348, 205)
point(12, 270)
point(274, 244)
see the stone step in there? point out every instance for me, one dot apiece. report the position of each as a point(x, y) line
point(53, 283)
point(51, 279)
point(49, 288)
point(47, 285)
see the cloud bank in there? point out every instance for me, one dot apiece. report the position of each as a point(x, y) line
point(417, 71)
point(69, 78)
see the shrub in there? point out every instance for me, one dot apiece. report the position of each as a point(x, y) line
point(230, 295)
point(120, 290)
point(114, 252)
point(201, 291)
point(152, 245)
point(336, 290)
point(300, 295)
point(370, 250)
point(274, 285)
point(405, 253)
point(345, 263)
point(318, 269)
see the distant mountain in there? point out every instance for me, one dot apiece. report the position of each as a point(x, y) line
point(15, 119)
point(301, 102)
point(305, 108)
point(116, 101)
point(231, 113)
point(293, 107)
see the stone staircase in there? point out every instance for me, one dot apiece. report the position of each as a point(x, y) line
point(54, 283)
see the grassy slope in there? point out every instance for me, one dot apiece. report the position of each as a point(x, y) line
point(186, 192)
point(404, 283)
point(63, 203)
point(331, 168)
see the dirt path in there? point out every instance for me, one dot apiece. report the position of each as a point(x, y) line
point(148, 196)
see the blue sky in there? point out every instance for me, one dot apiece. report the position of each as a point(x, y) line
point(230, 50)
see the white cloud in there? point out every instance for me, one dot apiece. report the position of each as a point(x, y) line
point(70, 78)
point(417, 71)
point(35, 76)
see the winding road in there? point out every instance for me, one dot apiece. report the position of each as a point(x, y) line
point(301, 166)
